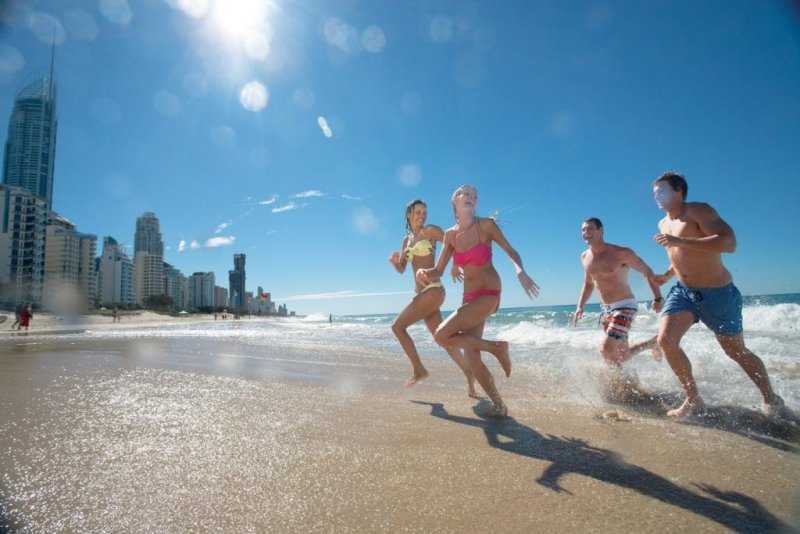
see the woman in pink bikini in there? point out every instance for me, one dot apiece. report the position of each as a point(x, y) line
point(419, 247)
point(469, 242)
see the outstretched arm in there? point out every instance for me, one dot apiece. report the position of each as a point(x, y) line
point(719, 236)
point(637, 264)
point(586, 292)
point(662, 279)
point(493, 231)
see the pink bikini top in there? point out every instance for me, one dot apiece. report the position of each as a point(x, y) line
point(479, 254)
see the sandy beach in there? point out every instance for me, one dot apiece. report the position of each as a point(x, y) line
point(150, 432)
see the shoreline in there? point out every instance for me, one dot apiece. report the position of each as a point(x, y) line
point(307, 438)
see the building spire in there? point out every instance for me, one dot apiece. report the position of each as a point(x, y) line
point(52, 67)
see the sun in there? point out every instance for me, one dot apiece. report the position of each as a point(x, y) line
point(236, 17)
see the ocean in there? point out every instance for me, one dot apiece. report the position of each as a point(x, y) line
point(545, 349)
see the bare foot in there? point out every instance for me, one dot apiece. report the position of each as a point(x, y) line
point(775, 409)
point(418, 377)
point(496, 410)
point(693, 407)
point(471, 386)
point(501, 353)
point(657, 352)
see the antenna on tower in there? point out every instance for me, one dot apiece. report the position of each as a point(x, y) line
point(52, 66)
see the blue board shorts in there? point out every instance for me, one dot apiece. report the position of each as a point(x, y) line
point(720, 308)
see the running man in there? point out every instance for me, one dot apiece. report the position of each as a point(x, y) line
point(606, 268)
point(695, 237)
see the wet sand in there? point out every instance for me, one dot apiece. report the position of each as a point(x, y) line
point(174, 435)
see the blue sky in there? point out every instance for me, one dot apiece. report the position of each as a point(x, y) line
point(296, 131)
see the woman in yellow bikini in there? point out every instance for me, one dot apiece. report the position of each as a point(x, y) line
point(419, 248)
point(469, 243)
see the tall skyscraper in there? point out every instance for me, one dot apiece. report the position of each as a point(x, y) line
point(148, 235)
point(237, 279)
point(148, 258)
point(30, 150)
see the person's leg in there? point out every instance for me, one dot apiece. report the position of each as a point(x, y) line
point(671, 329)
point(483, 375)
point(652, 344)
point(615, 351)
point(418, 309)
point(433, 320)
point(453, 332)
point(736, 350)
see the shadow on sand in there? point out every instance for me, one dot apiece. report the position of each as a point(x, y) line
point(733, 510)
point(782, 433)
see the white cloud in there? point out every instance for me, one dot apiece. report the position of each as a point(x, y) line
point(181, 245)
point(270, 200)
point(194, 244)
point(346, 294)
point(350, 197)
point(222, 241)
point(221, 227)
point(308, 194)
point(364, 221)
point(288, 207)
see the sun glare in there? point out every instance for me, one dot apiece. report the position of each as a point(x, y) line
point(237, 16)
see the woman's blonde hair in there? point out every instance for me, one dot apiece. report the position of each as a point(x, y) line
point(455, 194)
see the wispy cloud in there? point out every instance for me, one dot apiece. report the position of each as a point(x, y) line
point(350, 197)
point(270, 200)
point(222, 241)
point(308, 194)
point(194, 245)
point(181, 245)
point(221, 227)
point(346, 294)
point(287, 207)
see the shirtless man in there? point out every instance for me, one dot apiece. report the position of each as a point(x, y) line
point(606, 267)
point(695, 237)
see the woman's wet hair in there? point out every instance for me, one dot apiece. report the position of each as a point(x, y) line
point(409, 210)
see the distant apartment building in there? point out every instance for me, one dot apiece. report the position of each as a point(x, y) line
point(175, 285)
point(23, 228)
point(148, 276)
point(115, 276)
point(262, 303)
point(237, 281)
point(69, 260)
point(220, 296)
point(200, 289)
point(148, 259)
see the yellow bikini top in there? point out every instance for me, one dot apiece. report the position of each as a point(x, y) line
point(422, 247)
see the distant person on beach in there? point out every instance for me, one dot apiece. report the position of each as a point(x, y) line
point(469, 243)
point(419, 248)
point(606, 267)
point(25, 316)
point(695, 237)
point(116, 315)
point(17, 313)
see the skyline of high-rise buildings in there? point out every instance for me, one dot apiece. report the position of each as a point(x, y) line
point(44, 258)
